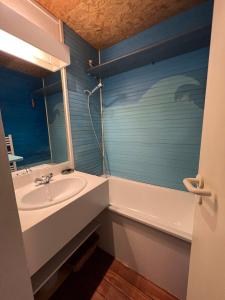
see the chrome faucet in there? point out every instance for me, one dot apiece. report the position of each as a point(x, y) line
point(43, 179)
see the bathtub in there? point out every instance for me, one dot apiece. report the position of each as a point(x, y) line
point(149, 228)
point(168, 210)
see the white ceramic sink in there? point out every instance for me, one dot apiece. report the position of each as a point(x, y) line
point(33, 197)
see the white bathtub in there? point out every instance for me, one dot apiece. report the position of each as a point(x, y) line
point(168, 210)
point(149, 228)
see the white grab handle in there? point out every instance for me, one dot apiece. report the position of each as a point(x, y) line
point(195, 186)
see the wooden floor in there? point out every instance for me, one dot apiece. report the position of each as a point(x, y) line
point(103, 277)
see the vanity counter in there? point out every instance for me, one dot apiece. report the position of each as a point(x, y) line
point(30, 218)
point(49, 229)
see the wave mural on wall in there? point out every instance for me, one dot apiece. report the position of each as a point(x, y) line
point(153, 120)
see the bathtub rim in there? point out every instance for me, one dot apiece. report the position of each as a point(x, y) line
point(127, 213)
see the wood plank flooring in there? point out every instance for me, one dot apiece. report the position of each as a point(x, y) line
point(103, 277)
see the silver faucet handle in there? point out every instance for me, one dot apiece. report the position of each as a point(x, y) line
point(47, 178)
point(43, 180)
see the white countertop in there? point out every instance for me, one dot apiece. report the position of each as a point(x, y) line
point(28, 219)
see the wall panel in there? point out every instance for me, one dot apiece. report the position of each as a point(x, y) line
point(153, 120)
point(153, 114)
point(86, 151)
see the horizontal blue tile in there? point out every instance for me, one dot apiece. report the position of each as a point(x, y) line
point(153, 120)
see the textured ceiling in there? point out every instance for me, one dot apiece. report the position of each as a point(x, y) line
point(103, 23)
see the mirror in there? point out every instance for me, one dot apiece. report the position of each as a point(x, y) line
point(32, 107)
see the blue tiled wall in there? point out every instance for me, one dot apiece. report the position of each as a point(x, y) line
point(153, 114)
point(87, 155)
point(26, 124)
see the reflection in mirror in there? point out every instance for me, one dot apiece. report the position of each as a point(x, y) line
point(32, 107)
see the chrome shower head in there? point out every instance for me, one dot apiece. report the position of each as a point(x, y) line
point(100, 85)
point(89, 93)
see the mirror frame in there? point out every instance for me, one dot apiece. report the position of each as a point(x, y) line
point(70, 163)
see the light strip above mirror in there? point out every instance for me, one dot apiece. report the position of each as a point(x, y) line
point(17, 47)
point(27, 41)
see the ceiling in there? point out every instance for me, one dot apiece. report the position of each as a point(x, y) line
point(103, 23)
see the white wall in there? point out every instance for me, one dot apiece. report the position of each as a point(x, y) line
point(24, 28)
point(15, 283)
point(35, 14)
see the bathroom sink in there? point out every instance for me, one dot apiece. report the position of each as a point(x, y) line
point(33, 197)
